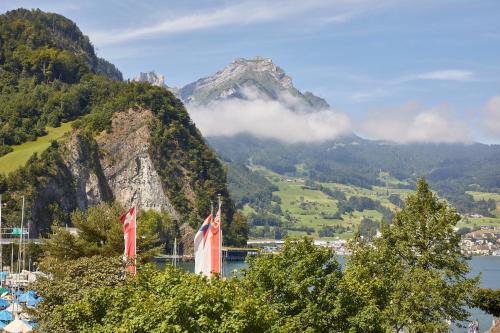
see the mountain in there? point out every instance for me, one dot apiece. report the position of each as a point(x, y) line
point(130, 142)
point(452, 169)
point(256, 76)
point(156, 80)
point(151, 77)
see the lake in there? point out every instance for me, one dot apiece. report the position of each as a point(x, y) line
point(488, 267)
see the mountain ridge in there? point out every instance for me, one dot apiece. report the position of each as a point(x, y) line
point(259, 74)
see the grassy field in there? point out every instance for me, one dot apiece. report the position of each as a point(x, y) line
point(23, 152)
point(310, 207)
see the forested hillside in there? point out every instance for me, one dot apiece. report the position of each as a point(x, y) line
point(451, 168)
point(49, 74)
point(45, 68)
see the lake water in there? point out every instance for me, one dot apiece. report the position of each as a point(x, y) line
point(488, 267)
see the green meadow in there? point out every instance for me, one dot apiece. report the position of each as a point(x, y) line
point(23, 152)
point(312, 208)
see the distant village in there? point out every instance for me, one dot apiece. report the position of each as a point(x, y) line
point(482, 242)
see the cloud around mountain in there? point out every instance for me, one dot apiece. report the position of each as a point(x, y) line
point(491, 120)
point(273, 119)
point(284, 119)
point(410, 124)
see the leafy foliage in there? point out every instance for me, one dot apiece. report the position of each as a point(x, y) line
point(414, 276)
point(488, 300)
point(169, 301)
point(368, 228)
point(301, 284)
point(100, 234)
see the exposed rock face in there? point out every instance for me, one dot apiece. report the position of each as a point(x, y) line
point(156, 79)
point(114, 166)
point(127, 164)
point(259, 75)
point(82, 160)
point(151, 77)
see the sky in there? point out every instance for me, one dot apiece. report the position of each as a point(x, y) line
point(415, 70)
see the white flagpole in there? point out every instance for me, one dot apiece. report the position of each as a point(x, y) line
point(220, 237)
point(135, 240)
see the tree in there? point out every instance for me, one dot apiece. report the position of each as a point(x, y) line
point(368, 228)
point(300, 283)
point(414, 276)
point(100, 233)
point(488, 300)
point(239, 229)
point(168, 301)
point(69, 282)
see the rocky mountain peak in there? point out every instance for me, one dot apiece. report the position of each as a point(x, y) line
point(257, 75)
point(151, 77)
point(257, 64)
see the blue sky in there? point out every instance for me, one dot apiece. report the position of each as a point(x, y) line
point(368, 59)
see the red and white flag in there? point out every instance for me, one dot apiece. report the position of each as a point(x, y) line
point(208, 246)
point(202, 251)
point(216, 248)
point(129, 223)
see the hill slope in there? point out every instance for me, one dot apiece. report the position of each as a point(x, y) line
point(131, 142)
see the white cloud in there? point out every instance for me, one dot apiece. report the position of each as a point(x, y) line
point(243, 13)
point(492, 116)
point(443, 75)
point(270, 119)
point(409, 124)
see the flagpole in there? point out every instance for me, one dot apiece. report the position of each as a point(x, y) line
point(220, 237)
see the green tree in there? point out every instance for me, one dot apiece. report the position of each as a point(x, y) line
point(168, 301)
point(301, 285)
point(488, 300)
point(68, 282)
point(238, 229)
point(414, 276)
point(99, 233)
point(368, 228)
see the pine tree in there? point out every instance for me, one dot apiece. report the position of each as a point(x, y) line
point(414, 276)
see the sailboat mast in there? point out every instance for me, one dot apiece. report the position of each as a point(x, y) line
point(175, 252)
point(12, 257)
point(1, 243)
point(20, 240)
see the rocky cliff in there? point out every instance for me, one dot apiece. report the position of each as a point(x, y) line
point(116, 165)
point(119, 164)
point(151, 77)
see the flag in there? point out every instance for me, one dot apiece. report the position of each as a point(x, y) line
point(216, 246)
point(202, 248)
point(129, 223)
point(208, 246)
